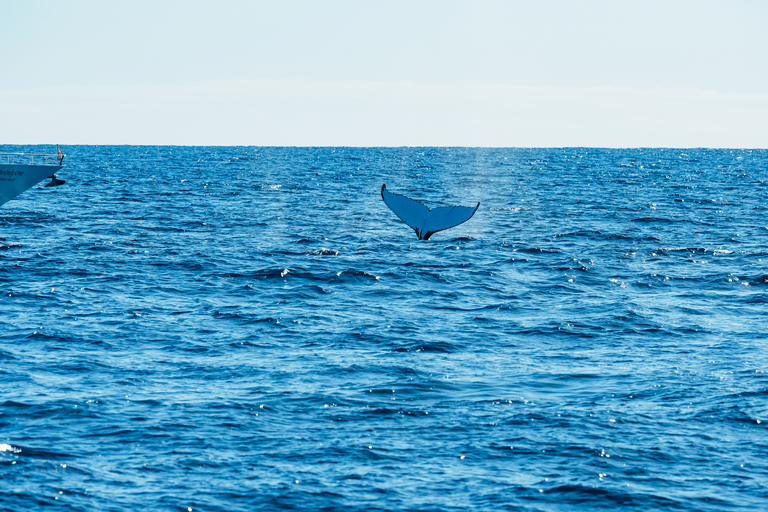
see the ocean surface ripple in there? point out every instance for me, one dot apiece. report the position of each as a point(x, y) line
point(249, 328)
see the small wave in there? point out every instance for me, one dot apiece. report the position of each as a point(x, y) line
point(653, 220)
point(758, 280)
point(245, 318)
point(34, 453)
point(664, 220)
point(664, 250)
point(536, 250)
point(585, 234)
point(40, 336)
point(381, 412)
point(325, 252)
point(356, 275)
point(441, 347)
point(271, 273)
point(9, 448)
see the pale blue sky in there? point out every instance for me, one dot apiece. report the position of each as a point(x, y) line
point(486, 73)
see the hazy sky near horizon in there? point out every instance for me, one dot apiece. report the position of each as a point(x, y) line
point(674, 73)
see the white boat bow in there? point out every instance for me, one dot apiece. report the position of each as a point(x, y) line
point(21, 171)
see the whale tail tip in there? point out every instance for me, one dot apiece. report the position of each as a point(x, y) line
point(423, 220)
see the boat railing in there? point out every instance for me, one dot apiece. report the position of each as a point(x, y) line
point(31, 158)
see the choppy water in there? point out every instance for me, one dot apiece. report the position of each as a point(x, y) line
point(240, 329)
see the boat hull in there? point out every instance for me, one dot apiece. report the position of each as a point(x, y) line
point(15, 178)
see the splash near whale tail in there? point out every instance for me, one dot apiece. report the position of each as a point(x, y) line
point(424, 221)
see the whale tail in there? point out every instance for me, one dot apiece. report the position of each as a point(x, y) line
point(424, 221)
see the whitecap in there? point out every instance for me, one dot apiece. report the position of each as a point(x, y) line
point(8, 448)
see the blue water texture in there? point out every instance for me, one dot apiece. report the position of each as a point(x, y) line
point(251, 328)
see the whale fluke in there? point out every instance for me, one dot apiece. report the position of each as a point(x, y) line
point(55, 182)
point(424, 221)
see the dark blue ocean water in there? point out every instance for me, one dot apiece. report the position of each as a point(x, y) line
point(245, 328)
